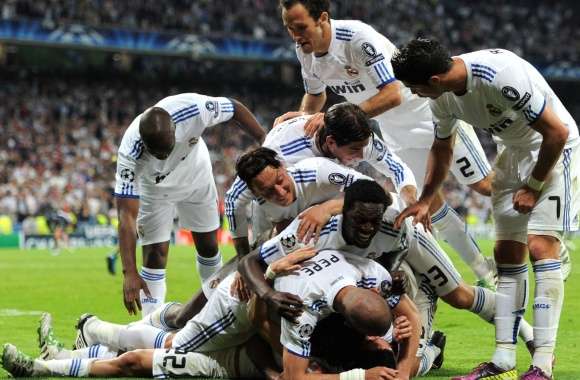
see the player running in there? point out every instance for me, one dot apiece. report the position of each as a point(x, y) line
point(535, 193)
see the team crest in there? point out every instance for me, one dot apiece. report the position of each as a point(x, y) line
point(386, 288)
point(127, 175)
point(337, 179)
point(192, 141)
point(212, 107)
point(351, 71)
point(305, 330)
point(510, 93)
point(493, 110)
point(288, 241)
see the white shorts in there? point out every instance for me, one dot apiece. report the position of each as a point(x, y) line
point(197, 212)
point(231, 363)
point(431, 264)
point(469, 165)
point(222, 323)
point(558, 206)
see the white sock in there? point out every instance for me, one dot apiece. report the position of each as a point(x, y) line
point(453, 230)
point(484, 306)
point(483, 303)
point(97, 331)
point(65, 367)
point(206, 266)
point(510, 306)
point(429, 354)
point(138, 335)
point(96, 351)
point(548, 299)
point(157, 317)
point(155, 280)
point(426, 301)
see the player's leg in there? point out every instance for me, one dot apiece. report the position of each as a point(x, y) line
point(199, 214)
point(154, 225)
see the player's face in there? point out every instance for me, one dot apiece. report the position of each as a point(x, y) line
point(425, 90)
point(361, 223)
point(304, 30)
point(349, 154)
point(274, 185)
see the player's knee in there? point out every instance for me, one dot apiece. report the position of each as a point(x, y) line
point(206, 243)
point(129, 363)
point(543, 247)
point(460, 298)
point(483, 187)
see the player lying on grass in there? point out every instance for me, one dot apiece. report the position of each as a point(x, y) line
point(347, 138)
point(365, 310)
point(365, 228)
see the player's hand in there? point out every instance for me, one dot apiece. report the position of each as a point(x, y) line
point(314, 124)
point(402, 328)
point(311, 222)
point(291, 262)
point(132, 283)
point(525, 199)
point(239, 289)
point(287, 116)
point(420, 213)
point(381, 373)
point(400, 282)
point(287, 305)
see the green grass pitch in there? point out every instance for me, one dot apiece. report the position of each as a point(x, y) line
point(76, 282)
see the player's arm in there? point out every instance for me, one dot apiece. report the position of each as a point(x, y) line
point(312, 103)
point(408, 362)
point(388, 97)
point(247, 121)
point(554, 136)
point(128, 209)
point(237, 199)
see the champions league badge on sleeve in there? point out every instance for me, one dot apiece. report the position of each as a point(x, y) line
point(288, 242)
point(127, 175)
point(337, 179)
point(212, 107)
point(369, 50)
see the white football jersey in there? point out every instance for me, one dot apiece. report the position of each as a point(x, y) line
point(388, 240)
point(315, 179)
point(141, 174)
point(505, 94)
point(317, 283)
point(356, 66)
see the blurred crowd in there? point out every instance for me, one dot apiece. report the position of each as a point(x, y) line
point(528, 27)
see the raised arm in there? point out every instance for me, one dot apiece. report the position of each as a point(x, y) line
point(247, 121)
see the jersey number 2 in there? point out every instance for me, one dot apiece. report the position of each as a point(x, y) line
point(465, 168)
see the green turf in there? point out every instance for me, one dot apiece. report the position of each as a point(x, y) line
point(73, 283)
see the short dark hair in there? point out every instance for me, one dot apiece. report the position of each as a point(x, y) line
point(366, 191)
point(346, 123)
point(419, 60)
point(314, 7)
point(252, 163)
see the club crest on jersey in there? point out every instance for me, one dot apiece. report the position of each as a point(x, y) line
point(212, 107)
point(192, 141)
point(288, 241)
point(127, 175)
point(493, 110)
point(305, 330)
point(351, 71)
point(510, 93)
point(337, 178)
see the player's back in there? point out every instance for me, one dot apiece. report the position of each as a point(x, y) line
point(289, 140)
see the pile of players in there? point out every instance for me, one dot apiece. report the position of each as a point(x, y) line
point(335, 261)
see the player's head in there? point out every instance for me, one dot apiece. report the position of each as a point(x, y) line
point(266, 176)
point(347, 131)
point(365, 202)
point(420, 64)
point(305, 21)
point(365, 310)
point(158, 132)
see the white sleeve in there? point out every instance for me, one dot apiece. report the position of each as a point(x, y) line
point(280, 245)
point(515, 89)
point(295, 337)
point(444, 122)
point(237, 199)
point(369, 55)
point(389, 164)
point(215, 110)
point(335, 175)
point(130, 150)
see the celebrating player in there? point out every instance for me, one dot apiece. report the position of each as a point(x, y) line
point(535, 193)
point(164, 167)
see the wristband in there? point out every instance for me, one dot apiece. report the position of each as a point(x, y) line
point(353, 374)
point(270, 274)
point(534, 184)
